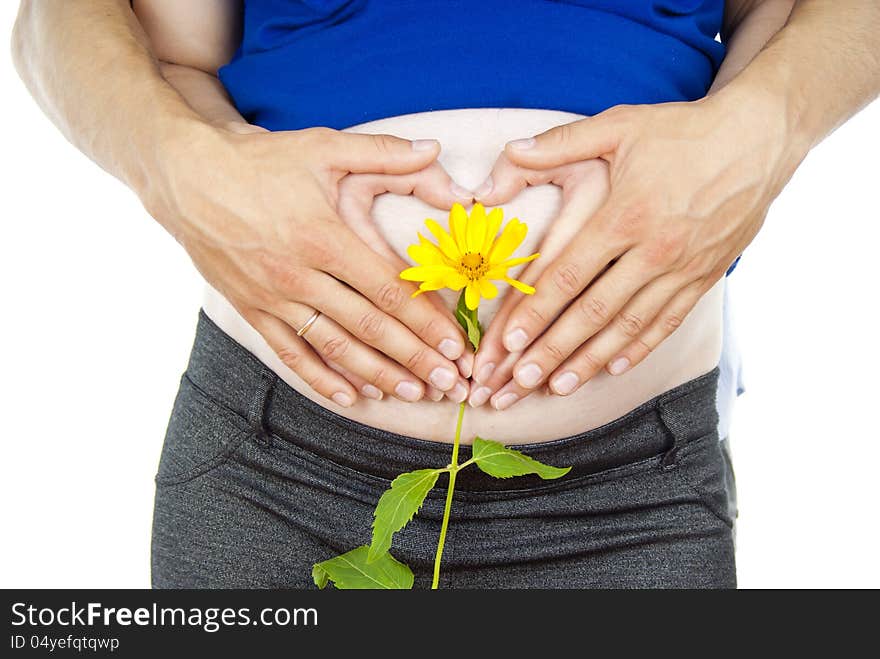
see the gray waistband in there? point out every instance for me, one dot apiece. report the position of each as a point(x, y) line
point(236, 379)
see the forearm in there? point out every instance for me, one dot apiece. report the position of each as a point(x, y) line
point(821, 68)
point(747, 34)
point(203, 92)
point(89, 66)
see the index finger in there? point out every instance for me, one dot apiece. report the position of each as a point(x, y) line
point(376, 153)
point(379, 281)
point(585, 257)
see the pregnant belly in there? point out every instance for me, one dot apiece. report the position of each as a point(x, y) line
point(472, 139)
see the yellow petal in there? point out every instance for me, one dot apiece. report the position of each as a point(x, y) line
point(447, 244)
point(493, 223)
point(510, 263)
point(476, 228)
point(432, 285)
point(518, 285)
point(472, 295)
point(455, 280)
point(426, 286)
point(499, 271)
point(487, 289)
point(514, 233)
point(425, 253)
point(458, 220)
point(427, 273)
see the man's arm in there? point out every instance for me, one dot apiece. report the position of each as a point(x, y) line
point(263, 227)
point(192, 41)
point(748, 26)
point(104, 92)
point(819, 70)
point(691, 184)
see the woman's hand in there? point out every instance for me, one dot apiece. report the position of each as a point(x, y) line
point(433, 185)
point(258, 214)
point(690, 187)
point(584, 188)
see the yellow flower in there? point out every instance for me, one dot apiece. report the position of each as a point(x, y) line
point(469, 257)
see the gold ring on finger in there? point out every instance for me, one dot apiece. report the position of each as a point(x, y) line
point(311, 321)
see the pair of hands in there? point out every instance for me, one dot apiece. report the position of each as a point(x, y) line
point(280, 224)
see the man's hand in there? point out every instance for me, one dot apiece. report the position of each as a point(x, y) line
point(690, 187)
point(258, 214)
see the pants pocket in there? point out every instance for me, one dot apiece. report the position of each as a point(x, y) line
point(201, 435)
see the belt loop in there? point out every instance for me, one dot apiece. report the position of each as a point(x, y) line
point(684, 415)
point(259, 405)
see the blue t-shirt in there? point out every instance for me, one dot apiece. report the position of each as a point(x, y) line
point(338, 63)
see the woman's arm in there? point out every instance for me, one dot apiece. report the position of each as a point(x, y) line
point(198, 34)
point(191, 41)
point(748, 26)
point(204, 93)
point(256, 211)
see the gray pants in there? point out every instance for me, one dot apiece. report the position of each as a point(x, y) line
point(256, 483)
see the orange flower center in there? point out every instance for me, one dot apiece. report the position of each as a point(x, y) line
point(472, 266)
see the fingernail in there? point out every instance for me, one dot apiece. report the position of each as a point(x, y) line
point(479, 396)
point(485, 188)
point(425, 145)
point(465, 365)
point(370, 391)
point(450, 349)
point(565, 383)
point(458, 394)
point(442, 378)
point(529, 375)
point(522, 145)
point(434, 394)
point(342, 399)
point(516, 339)
point(505, 401)
point(460, 192)
point(408, 391)
point(618, 366)
point(486, 371)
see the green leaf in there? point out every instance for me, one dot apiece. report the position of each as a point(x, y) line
point(468, 320)
point(352, 571)
point(497, 460)
point(397, 506)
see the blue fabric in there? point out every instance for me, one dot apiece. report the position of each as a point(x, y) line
point(339, 63)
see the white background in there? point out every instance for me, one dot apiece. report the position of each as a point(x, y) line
point(98, 311)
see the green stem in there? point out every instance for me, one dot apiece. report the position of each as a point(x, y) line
point(465, 464)
point(453, 470)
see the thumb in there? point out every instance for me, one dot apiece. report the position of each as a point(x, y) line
point(592, 137)
point(358, 153)
point(433, 185)
point(242, 127)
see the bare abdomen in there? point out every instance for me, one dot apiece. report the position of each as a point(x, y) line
point(472, 140)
